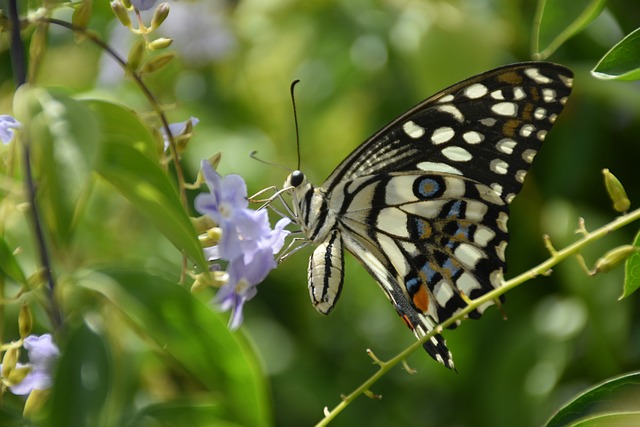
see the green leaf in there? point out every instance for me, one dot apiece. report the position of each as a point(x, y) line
point(622, 61)
point(613, 396)
point(192, 337)
point(63, 136)
point(186, 412)
point(632, 271)
point(82, 381)
point(558, 20)
point(128, 161)
point(624, 419)
point(8, 264)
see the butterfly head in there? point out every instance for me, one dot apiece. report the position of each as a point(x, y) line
point(295, 179)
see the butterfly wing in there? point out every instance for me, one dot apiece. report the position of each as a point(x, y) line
point(423, 203)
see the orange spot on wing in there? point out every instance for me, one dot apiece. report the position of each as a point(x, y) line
point(421, 299)
point(406, 321)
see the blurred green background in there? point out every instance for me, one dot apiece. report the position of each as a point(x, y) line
point(361, 63)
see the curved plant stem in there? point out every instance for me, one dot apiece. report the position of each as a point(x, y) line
point(542, 268)
point(18, 63)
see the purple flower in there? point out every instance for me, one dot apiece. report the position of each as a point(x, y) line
point(247, 242)
point(143, 4)
point(8, 124)
point(42, 354)
point(177, 129)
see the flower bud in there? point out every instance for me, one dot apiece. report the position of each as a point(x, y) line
point(82, 14)
point(25, 321)
point(159, 15)
point(160, 43)
point(38, 44)
point(135, 55)
point(614, 257)
point(9, 361)
point(126, 3)
point(616, 192)
point(35, 401)
point(157, 62)
point(121, 13)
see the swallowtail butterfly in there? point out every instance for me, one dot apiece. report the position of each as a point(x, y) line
point(423, 204)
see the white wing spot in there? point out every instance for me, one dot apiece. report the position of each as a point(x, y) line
point(438, 167)
point(519, 93)
point(506, 145)
point(540, 113)
point(446, 98)
point(505, 109)
point(497, 95)
point(468, 255)
point(467, 283)
point(509, 198)
point(489, 121)
point(476, 91)
point(552, 118)
point(502, 247)
point(568, 81)
point(527, 130)
point(496, 278)
point(534, 74)
point(413, 130)
point(549, 95)
point(528, 155)
point(483, 235)
point(520, 175)
point(442, 135)
point(502, 223)
point(451, 109)
point(563, 100)
point(497, 188)
point(499, 166)
point(542, 135)
point(473, 137)
point(457, 154)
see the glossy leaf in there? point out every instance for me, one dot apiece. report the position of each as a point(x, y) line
point(624, 419)
point(613, 396)
point(558, 20)
point(8, 264)
point(632, 271)
point(82, 381)
point(128, 161)
point(64, 138)
point(622, 61)
point(194, 338)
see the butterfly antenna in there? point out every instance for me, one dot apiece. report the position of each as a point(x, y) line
point(254, 155)
point(295, 118)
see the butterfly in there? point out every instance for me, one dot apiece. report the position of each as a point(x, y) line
point(423, 204)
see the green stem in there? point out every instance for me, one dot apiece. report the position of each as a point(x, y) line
point(542, 268)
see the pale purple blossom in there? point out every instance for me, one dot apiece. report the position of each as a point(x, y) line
point(42, 355)
point(143, 4)
point(177, 129)
point(8, 125)
point(247, 242)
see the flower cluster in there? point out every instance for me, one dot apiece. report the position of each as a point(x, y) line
point(42, 354)
point(8, 125)
point(247, 241)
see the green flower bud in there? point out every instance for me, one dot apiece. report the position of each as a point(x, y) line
point(160, 43)
point(35, 401)
point(82, 14)
point(9, 361)
point(25, 321)
point(159, 15)
point(126, 3)
point(614, 257)
point(135, 56)
point(121, 13)
point(616, 192)
point(157, 62)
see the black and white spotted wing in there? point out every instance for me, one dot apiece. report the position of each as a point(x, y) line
point(423, 203)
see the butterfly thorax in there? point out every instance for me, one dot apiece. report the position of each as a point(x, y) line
point(310, 207)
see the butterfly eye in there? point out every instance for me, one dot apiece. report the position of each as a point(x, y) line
point(296, 178)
